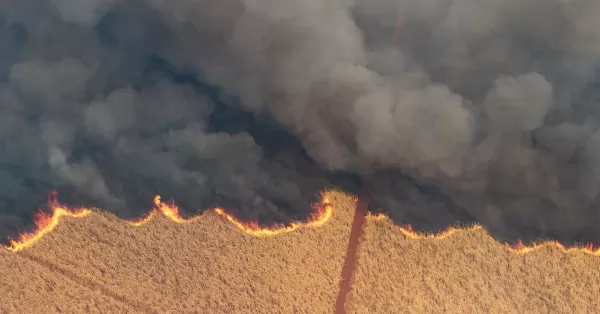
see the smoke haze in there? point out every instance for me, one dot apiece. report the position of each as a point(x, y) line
point(447, 110)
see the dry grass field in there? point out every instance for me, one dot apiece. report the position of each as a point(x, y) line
point(468, 272)
point(28, 287)
point(102, 264)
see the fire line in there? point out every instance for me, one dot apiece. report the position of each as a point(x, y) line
point(519, 248)
point(45, 222)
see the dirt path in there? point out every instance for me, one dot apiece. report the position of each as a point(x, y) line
point(142, 308)
point(351, 254)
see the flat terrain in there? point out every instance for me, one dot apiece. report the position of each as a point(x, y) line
point(28, 287)
point(100, 264)
point(468, 272)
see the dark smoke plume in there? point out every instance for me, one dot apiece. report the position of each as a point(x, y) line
point(447, 110)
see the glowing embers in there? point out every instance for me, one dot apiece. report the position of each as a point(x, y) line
point(45, 223)
point(320, 217)
point(519, 248)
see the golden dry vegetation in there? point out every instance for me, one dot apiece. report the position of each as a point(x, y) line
point(100, 264)
point(208, 266)
point(468, 272)
point(28, 287)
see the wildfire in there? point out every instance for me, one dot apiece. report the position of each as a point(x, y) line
point(519, 248)
point(47, 222)
point(324, 212)
point(410, 233)
point(170, 211)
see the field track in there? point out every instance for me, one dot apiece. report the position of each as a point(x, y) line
point(353, 263)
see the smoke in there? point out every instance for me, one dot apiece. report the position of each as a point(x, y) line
point(446, 109)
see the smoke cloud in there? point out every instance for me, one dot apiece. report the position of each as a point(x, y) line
point(447, 110)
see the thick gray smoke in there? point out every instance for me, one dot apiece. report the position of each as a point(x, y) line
point(447, 109)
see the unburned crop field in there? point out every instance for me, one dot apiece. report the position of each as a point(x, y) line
point(468, 272)
point(205, 266)
point(101, 264)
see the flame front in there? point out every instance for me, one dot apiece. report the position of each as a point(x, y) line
point(520, 248)
point(169, 211)
point(324, 212)
point(410, 233)
point(47, 222)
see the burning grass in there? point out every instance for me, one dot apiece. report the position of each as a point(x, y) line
point(46, 222)
point(466, 270)
point(210, 265)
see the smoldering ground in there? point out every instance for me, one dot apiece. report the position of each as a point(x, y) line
point(447, 110)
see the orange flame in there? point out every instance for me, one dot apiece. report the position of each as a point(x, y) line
point(47, 222)
point(519, 248)
point(169, 211)
point(324, 212)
